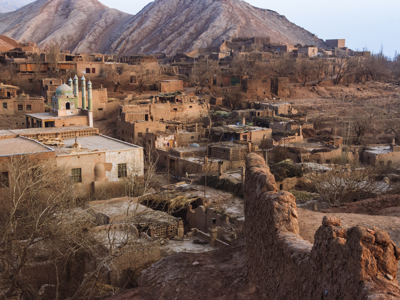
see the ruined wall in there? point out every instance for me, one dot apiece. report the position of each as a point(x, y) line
point(355, 263)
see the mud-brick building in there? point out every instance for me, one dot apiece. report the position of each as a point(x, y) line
point(245, 133)
point(92, 161)
point(12, 104)
point(382, 155)
point(171, 86)
point(257, 88)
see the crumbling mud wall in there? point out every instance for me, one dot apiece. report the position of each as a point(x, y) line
point(355, 263)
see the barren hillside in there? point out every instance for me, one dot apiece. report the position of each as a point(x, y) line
point(169, 26)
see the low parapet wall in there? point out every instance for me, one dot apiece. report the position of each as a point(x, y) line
point(355, 263)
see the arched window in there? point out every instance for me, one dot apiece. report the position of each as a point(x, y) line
point(67, 105)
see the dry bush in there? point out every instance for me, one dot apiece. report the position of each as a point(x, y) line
point(343, 186)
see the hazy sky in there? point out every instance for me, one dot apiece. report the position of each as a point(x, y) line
point(369, 24)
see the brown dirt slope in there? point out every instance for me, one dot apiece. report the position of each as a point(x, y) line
point(220, 274)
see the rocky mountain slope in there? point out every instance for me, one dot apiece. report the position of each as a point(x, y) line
point(75, 25)
point(169, 26)
point(10, 5)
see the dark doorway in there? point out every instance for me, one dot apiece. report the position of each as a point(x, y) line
point(67, 105)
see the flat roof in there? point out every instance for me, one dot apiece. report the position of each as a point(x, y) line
point(14, 132)
point(95, 143)
point(21, 145)
point(189, 149)
point(379, 150)
point(49, 116)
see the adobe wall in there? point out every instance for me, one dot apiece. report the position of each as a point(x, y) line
point(171, 86)
point(341, 264)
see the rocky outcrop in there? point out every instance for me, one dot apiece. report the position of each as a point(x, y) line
point(355, 263)
point(168, 26)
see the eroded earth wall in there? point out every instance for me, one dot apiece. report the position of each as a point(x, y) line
point(355, 263)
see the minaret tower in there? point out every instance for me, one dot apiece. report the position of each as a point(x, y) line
point(83, 81)
point(76, 88)
point(90, 103)
point(90, 96)
point(70, 83)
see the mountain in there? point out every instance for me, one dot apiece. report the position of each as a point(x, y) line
point(10, 5)
point(76, 25)
point(168, 26)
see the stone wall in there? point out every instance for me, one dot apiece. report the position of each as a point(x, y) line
point(355, 263)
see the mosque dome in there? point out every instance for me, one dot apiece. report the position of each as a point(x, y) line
point(64, 90)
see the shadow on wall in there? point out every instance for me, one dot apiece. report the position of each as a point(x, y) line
point(355, 263)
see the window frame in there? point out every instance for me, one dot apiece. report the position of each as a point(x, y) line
point(76, 175)
point(4, 180)
point(122, 170)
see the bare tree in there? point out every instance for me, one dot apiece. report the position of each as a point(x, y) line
point(234, 97)
point(306, 69)
point(322, 67)
point(283, 67)
point(343, 67)
point(203, 73)
point(376, 67)
point(54, 58)
point(40, 218)
point(32, 195)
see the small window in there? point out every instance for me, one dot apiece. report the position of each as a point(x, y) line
point(51, 82)
point(5, 105)
point(175, 109)
point(93, 70)
point(100, 109)
point(76, 175)
point(140, 134)
point(20, 107)
point(28, 107)
point(192, 137)
point(122, 173)
point(87, 70)
point(4, 180)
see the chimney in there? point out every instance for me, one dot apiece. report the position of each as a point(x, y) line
point(214, 232)
point(266, 157)
point(196, 128)
point(244, 121)
point(249, 146)
point(301, 131)
point(220, 171)
point(243, 175)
